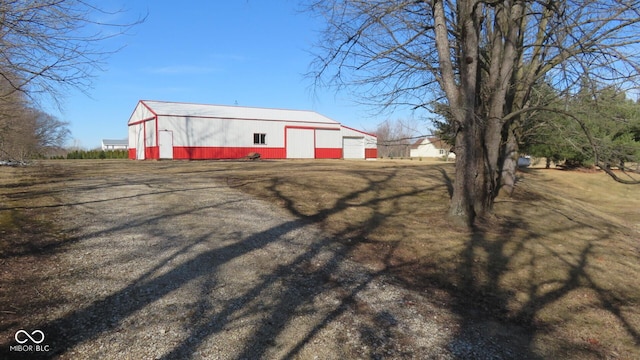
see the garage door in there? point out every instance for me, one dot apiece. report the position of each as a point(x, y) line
point(300, 144)
point(353, 147)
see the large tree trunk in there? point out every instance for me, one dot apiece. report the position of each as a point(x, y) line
point(472, 190)
point(478, 170)
point(479, 156)
point(461, 209)
point(509, 162)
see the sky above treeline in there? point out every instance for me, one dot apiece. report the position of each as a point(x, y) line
point(236, 52)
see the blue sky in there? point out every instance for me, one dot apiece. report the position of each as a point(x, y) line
point(245, 52)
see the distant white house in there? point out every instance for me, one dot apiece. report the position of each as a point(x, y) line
point(431, 147)
point(115, 144)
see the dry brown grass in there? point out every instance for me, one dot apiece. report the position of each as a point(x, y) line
point(560, 260)
point(29, 243)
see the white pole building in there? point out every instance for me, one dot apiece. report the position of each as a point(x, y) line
point(172, 130)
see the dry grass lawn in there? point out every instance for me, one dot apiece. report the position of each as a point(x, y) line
point(561, 258)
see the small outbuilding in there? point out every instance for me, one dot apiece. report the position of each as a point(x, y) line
point(109, 144)
point(173, 130)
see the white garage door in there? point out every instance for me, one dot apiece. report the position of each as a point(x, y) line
point(353, 147)
point(300, 144)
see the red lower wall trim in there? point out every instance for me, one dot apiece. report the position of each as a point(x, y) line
point(151, 152)
point(328, 153)
point(210, 153)
point(370, 153)
point(202, 153)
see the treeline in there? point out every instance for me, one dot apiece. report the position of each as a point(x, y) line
point(603, 129)
point(27, 132)
point(593, 127)
point(95, 154)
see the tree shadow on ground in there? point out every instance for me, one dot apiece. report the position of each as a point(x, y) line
point(305, 283)
point(300, 280)
point(524, 282)
point(493, 320)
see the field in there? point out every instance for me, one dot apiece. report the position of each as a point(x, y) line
point(554, 274)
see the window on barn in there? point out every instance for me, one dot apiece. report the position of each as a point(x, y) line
point(259, 139)
point(442, 151)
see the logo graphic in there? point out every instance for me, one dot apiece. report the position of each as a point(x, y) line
point(29, 342)
point(33, 336)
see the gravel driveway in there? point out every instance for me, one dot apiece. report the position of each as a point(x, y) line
point(184, 267)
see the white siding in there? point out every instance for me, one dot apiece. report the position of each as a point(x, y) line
point(329, 139)
point(428, 149)
point(353, 147)
point(139, 141)
point(133, 130)
point(300, 144)
point(221, 132)
point(370, 141)
point(150, 137)
point(141, 112)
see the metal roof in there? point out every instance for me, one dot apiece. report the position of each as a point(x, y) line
point(115, 142)
point(166, 108)
point(437, 143)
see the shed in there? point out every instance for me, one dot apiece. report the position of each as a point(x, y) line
point(109, 144)
point(174, 130)
point(431, 147)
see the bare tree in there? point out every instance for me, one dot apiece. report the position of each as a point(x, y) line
point(27, 132)
point(395, 137)
point(482, 59)
point(12, 107)
point(49, 45)
point(49, 131)
point(46, 47)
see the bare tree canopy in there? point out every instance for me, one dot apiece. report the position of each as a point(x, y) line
point(395, 137)
point(27, 132)
point(46, 47)
point(49, 45)
point(482, 59)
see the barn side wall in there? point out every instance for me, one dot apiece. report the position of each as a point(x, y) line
point(213, 138)
point(328, 144)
